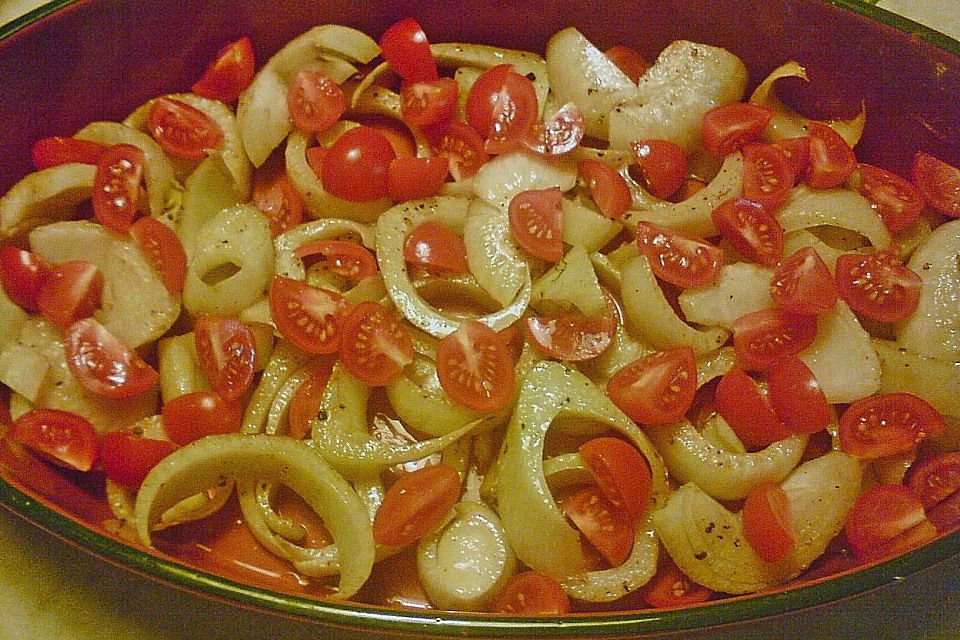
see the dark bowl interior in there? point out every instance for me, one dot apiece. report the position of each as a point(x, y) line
point(93, 60)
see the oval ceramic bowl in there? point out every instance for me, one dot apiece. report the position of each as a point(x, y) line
point(72, 62)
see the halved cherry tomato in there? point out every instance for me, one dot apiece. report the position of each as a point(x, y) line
point(935, 479)
point(748, 411)
point(462, 146)
point(315, 101)
point(229, 74)
point(374, 345)
point(22, 274)
point(103, 365)
point(306, 400)
point(278, 200)
point(416, 504)
point(887, 424)
point(416, 178)
point(227, 351)
point(535, 222)
point(502, 106)
point(571, 337)
point(656, 388)
point(63, 438)
point(946, 515)
point(475, 367)
point(436, 249)
point(679, 258)
point(531, 593)
point(127, 458)
point(405, 46)
point(898, 202)
point(752, 230)
point(163, 249)
point(803, 284)
point(797, 151)
point(57, 150)
point(832, 161)
point(621, 472)
point(763, 337)
point(628, 60)
point(116, 187)
point(396, 132)
point(796, 396)
point(887, 520)
point(315, 156)
point(607, 188)
point(306, 316)
point(768, 175)
point(71, 292)
point(558, 135)
point(670, 587)
point(349, 259)
point(728, 127)
point(183, 131)
point(202, 413)
point(601, 524)
point(878, 285)
point(355, 166)
point(428, 101)
point(663, 165)
point(766, 523)
point(939, 183)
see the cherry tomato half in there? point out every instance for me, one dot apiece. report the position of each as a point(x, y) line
point(416, 178)
point(935, 479)
point(405, 46)
point(560, 134)
point(355, 166)
point(832, 161)
point(315, 101)
point(663, 165)
point(766, 523)
point(658, 388)
point(163, 249)
point(670, 588)
point(103, 365)
point(306, 401)
point(436, 249)
point(127, 458)
point(607, 188)
point(202, 413)
point(898, 202)
point(797, 151)
point(752, 230)
point(797, 397)
point(601, 524)
point(416, 504)
point(374, 345)
point(939, 183)
point(63, 438)
point(475, 367)
point(878, 285)
point(230, 72)
point(343, 257)
point(887, 424)
point(622, 474)
point(428, 101)
point(463, 148)
point(531, 593)
point(278, 200)
point(306, 316)
point(763, 337)
point(535, 222)
point(628, 60)
point(70, 292)
point(748, 411)
point(728, 127)
point(887, 519)
point(501, 106)
point(803, 284)
point(57, 150)
point(227, 351)
point(22, 274)
point(679, 258)
point(116, 187)
point(571, 337)
point(768, 175)
point(183, 131)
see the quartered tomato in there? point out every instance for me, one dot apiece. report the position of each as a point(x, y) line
point(416, 178)
point(898, 202)
point(748, 411)
point(832, 161)
point(227, 351)
point(436, 249)
point(57, 150)
point(752, 230)
point(571, 337)
point(939, 183)
point(70, 292)
point(797, 151)
point(229, 74)
point(601, 524)
point(663, 165)
point(343, 257)
point(202, 413)
point(608, 189)
point(803, 284)
point(887, 520)
point(63, 438)
point(416, 504)
point(475, 367)
point(116, 187)
point(463, 148)
point(530, 593)
point(501, 107)
point(887, 424)
point(374, 345)
point(405, 46)
point(127, 458)
point(278, 200)
point(428, 101)
point(163, 249)
point(728, 127)
point(535, 222)
point(763, 337)
point(315, 101)
point(22, 274)
point(628, 60)
point(768, 175)
point(306, 316)
point(766, 523)
point(796, 396)
point(670, 588)
point(658, 388)
point(936, 481)
point(306, 400)
point(878, 285)
point(559, 134)
point(103, 365)
point(183, 131)
point(622, 474)
point(679, 258)
point(355, 166)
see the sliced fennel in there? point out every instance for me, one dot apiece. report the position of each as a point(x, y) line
point(742, 288)
point(45, 196)
point(842, 357)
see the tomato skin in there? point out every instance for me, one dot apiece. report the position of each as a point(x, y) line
point(306, 316)
point(832, 161)
point(763, 337)
point(887, 424)
point(227, 350)
point(116, 187)
point(728, 127)
point(535, 222)
point(886, 520)
point(938, 182)
point(502, 107)
point(878, 285)
point(797, 398)
point(803, 283)
point(935, 479)
point(355, 166)
point(607, 188)
point(797, 151)
point(436, 249)
point(531, 593)
point(657, 388)
point(768, 175)
point(22, 274)
point(898, 202)
point(559, 135)
point(182, 130)
point(748, 411)
point(601, 524)
point(476, 368)
point(70, 292)
point(416, 504)
point(63, 438)
point(57, 150)
point(752, 230)
point(463, 148)
point(663, 165)
point(202, 413)
point(628, 60)
point(103, 365)
point(163, 249)
point(622, 474)
point(669, 588)
point(405, 46)
point(315, 101)
point(345, 258)
point(306, 400)
point(416, 178)
point(278, 200)
point(679, 258)
point(571, 337)
point(766, 523)
point(428, 101)
point(127, 458)
point(230, 72)
point(375, 347)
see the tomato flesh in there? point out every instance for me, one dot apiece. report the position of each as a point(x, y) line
point(768, 175)
point(679, 258)
point(416, 504)
point(898, 202)
point(183, 131)
point(230, 72)
point(887, 424)
point(475, 367)
point(878, 285)
point(728, 127)
point(763, 337)
point(116, 187)
point(306, 316)
point(163, 249)
point(748, 411)
point(752, 230)
point(463, 148)
point(832, 161)
point(766, 523)
point(22, 274)
point(622, 474)
point(502, 107)
point(530, 593)
point(70, 292)
point(278, 200)
point(436, 249)
point(227, 350)
point(535, 221)
point(61, 437)
point(803, 284)
point(935, 479)
point(938, 182)
point(571, 337)
point(343, 257)
point(375, 347)
point(797, 397)
point(607, 188)
point(128, 458)
point(315, 101)
point(416, 178)
point(57, 150)
point(886, 520)
point(797, 152)
point(670, 588)
point(658, 388)
point(103, 365)
point(558, 135)
point(663, 165)
point(405, 47)
point(202, 413)
point(429, 101)
point(601, 524)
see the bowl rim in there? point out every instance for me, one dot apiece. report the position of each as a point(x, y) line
point(45, 514)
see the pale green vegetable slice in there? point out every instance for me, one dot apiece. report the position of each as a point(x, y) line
point(715, 364)
point(720, 434)
point(506, 175)
point(585, 227)
point(842, 357)
point(179, 367)
point(421, 402)
point(623, 349)
point(49, 195)
point(12, 317)
point(741, 288)
point(207, 191)
point(492, 255)
point(465, 77)
point(841, 208)
point(796, 240)
point(284, 362)
point(569, 285)
point(23, 369)
point(286, 263)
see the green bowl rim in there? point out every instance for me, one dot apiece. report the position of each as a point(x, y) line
point(437, 623)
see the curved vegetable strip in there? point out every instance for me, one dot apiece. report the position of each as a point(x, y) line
point(842, 358)
point(287, 264)
point(284, 362)
point(492, 255)
point(210, 461)
point(421, 402)
point(840, 208)
point(206, 192)
point(44, 196)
